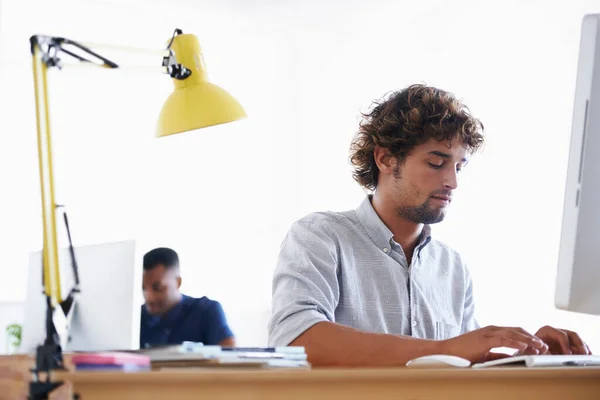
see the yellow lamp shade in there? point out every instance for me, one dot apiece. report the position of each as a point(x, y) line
point(197, 106)
point(195, 103)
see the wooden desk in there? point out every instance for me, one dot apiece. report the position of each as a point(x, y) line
point(347, 384)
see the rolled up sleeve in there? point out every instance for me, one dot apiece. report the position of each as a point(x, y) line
point(305, 283)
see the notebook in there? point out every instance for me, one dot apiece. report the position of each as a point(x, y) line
point(119, 361)
point(110, 358)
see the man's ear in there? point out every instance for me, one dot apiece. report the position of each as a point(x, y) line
point(384, 160)
point(178, 282)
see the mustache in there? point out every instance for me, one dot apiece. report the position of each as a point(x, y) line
point(441, 193)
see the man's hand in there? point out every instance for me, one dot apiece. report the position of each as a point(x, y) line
point(476, 345)
point(562, 341)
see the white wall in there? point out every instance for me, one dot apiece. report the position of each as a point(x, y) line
point(225, 197)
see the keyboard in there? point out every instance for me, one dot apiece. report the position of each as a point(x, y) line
point(543, 361)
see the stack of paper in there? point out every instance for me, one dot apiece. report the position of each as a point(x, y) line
point(198, 355)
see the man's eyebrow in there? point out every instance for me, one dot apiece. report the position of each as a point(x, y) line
point(444, 155)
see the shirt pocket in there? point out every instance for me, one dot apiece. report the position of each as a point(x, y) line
point(444, 330)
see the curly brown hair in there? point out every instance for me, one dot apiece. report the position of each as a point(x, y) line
point(406, 119)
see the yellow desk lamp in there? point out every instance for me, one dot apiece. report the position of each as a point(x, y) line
point(195, 103)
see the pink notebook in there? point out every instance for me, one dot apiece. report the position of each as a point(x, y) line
point(110, 358)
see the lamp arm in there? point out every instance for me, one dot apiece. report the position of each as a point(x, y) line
point(127, 49)
point(51, 48)
point(49, 354)
point(50, 241)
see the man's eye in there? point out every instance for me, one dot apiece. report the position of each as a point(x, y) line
point(436, 166)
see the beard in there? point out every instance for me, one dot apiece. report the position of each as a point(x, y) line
point(422, 214)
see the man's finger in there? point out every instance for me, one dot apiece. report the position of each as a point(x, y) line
point(530, 351)
point(561, 338)
point(576, 342)
point(526, 338)
point(583, 350)
point(503, 341)
point(545, 351)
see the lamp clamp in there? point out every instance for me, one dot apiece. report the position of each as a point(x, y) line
point(174, 69)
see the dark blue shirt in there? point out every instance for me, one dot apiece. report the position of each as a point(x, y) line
point(191, 320)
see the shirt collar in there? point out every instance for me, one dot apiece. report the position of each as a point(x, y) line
point(378, 231)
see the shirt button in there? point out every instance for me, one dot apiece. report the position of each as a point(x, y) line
point(385, 249)
point(414, 323)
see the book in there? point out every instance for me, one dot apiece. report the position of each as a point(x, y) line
point(112, 367)
point(280, 349)
point(231, 363)
point(192, 354)
point(195, 351)
point(110, 358)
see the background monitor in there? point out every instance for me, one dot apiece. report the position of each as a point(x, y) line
point(578, 275)
point(107, 313)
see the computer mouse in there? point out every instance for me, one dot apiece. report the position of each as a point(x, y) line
point(439, 361)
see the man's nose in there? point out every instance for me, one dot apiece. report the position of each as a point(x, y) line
point(149, 295)
point(451, 180)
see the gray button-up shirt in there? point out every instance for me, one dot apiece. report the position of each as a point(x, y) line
point(346, 268)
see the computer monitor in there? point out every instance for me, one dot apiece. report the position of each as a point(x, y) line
point(578, 274)
point(107, 312)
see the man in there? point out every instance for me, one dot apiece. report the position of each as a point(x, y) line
point(371, 287)
point(170, 317)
